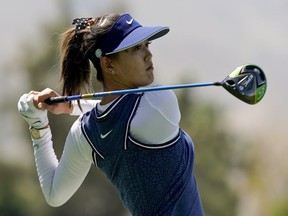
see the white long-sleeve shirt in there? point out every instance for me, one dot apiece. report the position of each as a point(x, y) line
point(59, 180)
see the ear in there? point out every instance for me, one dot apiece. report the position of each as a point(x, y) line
point(107, 65)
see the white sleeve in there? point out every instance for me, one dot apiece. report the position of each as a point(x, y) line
point(60, 180)
point(86, 105)
point(157, 118)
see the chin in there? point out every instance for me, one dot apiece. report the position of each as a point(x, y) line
point(147, 83)
point(151, 78)
point(150, 81)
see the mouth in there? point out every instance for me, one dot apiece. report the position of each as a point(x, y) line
point(150, 68)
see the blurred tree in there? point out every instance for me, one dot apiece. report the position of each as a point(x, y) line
point(10, 202)
point(213, 154)
point(17, 191)
point(279, 208)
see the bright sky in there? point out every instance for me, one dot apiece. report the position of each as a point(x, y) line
point(208, 40)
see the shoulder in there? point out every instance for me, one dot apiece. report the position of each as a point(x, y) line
point(76, 127)
point(162, 98)
point(75, 133)
point(86, 105)
point(157, 117)
point(164, 101)
point(77, 140)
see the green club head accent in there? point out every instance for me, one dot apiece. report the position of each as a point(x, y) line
point(247, 83)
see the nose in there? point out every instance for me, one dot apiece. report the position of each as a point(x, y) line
point(148, 55)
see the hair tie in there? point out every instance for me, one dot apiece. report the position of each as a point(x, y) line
point(81, 23)
point(98, 53)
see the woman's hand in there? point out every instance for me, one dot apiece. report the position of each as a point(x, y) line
point(39, 102)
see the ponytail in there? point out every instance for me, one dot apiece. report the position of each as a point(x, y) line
point(78, 46)
point(75, 66)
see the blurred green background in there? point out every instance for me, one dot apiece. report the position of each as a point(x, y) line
point(240, 149)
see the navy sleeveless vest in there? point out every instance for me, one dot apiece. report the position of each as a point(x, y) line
point(151, 179)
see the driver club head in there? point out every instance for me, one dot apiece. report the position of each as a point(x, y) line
point(247, 83)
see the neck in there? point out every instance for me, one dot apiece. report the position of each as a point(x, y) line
point(108, 99)
point(111, 87)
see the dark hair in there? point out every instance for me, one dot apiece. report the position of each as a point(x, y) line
point(74, 55)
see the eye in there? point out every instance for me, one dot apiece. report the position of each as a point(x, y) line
point(148, 43)
point(142, 45)
point(138, 47)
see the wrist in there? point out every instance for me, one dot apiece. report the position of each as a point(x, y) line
point(47, 126)
point(37, 133)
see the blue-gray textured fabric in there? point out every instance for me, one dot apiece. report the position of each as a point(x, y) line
point(151, 181)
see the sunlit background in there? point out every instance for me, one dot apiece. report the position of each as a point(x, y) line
point(207, 41)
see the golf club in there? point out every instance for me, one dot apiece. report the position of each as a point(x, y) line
point(247, 83)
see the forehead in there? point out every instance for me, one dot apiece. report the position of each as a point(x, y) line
point(142, 43)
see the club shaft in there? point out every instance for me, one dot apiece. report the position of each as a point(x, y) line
point(62, 99)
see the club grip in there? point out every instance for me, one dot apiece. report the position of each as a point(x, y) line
point(54, 100)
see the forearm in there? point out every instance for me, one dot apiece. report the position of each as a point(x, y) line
point(46, 164)
point(59, 180)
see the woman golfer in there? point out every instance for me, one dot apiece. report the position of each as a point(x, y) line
point(134, 139)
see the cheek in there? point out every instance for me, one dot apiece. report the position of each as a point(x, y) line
point(134, 71)
point(131, 69)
